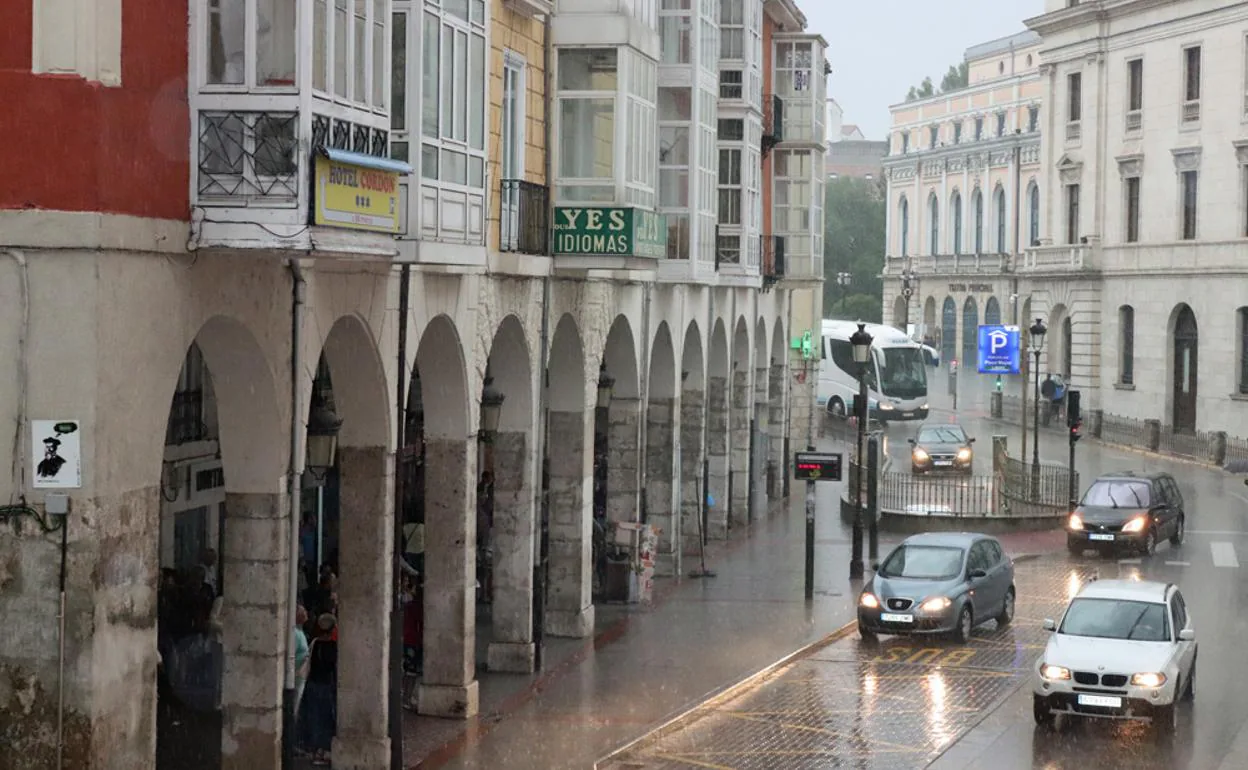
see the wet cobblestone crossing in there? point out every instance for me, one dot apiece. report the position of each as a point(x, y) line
point(894, 705)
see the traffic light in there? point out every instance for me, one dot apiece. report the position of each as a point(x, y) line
point(1000, 384)
point(1073, 417)
point(1075, 432)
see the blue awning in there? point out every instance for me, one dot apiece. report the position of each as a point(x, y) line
point(366, 161)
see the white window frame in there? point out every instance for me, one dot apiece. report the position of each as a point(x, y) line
point(678, 17)
point(1182, 230)
point(734, 26)
point(452, 136)
point(619, 114)
point(511, 140)
point(356, 61)
point(735, 156)
point(1189, 109)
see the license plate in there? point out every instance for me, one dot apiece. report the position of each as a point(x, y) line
point(907, 414)
point(1101, 537)
point(889, 617)
point(944, 462)
point(1100, 701)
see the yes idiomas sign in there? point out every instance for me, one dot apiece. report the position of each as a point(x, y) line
point(610, 232)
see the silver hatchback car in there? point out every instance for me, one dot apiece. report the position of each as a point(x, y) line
point(939, 583)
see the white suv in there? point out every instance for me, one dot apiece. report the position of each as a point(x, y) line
point(1125, 649)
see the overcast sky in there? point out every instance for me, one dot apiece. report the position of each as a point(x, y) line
point(879, 48)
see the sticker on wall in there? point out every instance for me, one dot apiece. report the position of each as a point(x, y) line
point(58, 444)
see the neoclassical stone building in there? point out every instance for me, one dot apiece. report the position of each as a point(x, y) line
point(274, 233)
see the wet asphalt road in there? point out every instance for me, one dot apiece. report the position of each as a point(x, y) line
point(916, 704)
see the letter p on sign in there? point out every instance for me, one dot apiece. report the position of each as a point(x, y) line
point(997, 341)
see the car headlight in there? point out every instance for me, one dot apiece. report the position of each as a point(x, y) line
point(936, 604)
point(1076, 521)
point(1054, 673)
point(964, 454)
point(1135, 525)
point(920, 454)
point(923, 407)
point(886, 406)
point(1148, 680)
point(869, 601)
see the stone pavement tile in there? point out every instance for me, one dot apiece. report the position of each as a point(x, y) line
point(895, 704)
point(651, 662)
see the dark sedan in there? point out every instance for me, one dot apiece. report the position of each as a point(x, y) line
point(1128, 511)
point(938, 583)
point(942, 448)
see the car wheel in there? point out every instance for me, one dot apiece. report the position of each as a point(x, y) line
point(1166, 720)
point(966, 623)
point(867, 634)
point(1007, 609)
point(1189, 693)
point(1150, 542)
point(1040, 711)
point(1076, 549)
point(1179, 530)
point(836, 408)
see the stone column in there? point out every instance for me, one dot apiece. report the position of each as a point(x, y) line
point(365, 592)
point(254, 632)
point(660, 469)
point(717, 457)
point(623, 459)
point(569, 604)
point(779, 459)
point(511, 644)
point(762, 443)
point(739, 441)
point(691, 453)
point(449, 686)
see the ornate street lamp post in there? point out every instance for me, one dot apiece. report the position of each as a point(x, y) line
point(861, 342)
point(1037, 330)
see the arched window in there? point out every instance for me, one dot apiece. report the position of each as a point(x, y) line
point(956, 216)
point(979, 222)
point(904, 213)
point(1126, 345)
point(999, 205)
point(1033, 215)
point(933, 218)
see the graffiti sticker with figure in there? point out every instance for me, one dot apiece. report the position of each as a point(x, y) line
point(58, 445)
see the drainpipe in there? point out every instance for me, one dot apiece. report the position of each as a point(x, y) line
point(541, 572)
point(395, 701)
point(298, 415)
point(643, 391)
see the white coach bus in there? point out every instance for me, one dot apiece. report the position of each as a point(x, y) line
point(896, 375)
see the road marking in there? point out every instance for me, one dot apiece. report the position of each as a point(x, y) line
point(1217, 532)
point(1223, 554)
point(1130, 561)
point(1178, 564)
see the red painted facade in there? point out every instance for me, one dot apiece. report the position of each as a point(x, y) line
point(73, 145)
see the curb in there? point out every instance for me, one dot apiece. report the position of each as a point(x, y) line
point(691, 714)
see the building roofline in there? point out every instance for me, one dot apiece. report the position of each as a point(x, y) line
point(784, 13)
point(1031, 74)
point(1024, 39)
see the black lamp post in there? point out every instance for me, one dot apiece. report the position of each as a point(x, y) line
point(491, 408)
point(1037, 330)
point(861, 342)
point(606, 385)
point(323, 427)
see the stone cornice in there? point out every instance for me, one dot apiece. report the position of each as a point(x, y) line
point(989, 146)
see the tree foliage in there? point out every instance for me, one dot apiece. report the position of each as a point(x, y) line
point(954, 79)
point(853, 242)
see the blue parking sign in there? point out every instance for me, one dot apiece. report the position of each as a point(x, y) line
point(999, 349)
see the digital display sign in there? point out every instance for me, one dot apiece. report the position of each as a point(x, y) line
point(817, 466)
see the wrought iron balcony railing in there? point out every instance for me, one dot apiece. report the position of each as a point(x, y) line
point(248, 155)
point(773, 122)
point(524, 217)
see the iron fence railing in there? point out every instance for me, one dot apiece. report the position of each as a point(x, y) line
point(1128, 431)
point(1045, 486)
point(937, 496)
point(1196, 445)
point(1236, 450)
point(523, 225)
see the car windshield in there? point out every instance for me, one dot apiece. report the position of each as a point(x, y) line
point(903, 373)
point(942, 435)
point(1117, 619)
point(1118, 494)
point(923, 562)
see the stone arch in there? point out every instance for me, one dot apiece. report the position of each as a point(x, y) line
point(740, 405)
point(779, 344)
point(662, 382)
point(717, 363)
point(361, 496)
point(508, 455)
point(620, 356)
point(899, 312)
point(761, 361)
point(361, 395)
point(1057, 354)
point(929, 316)
point(660, 470)
point(970, 330)
point(992, 312)
point(509, 363)
point(717, 385)
point(692, 421)
point(949, 330)
point(443, 383)
point(741, 345)
point(568, 376)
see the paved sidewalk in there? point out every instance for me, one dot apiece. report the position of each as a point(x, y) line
point(647, 664)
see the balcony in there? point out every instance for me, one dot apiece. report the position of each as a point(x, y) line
point(290, 127)
point(524, 225)
point(1061, 259)
point(950, 264)
point(773, 122)
point(773, 260)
